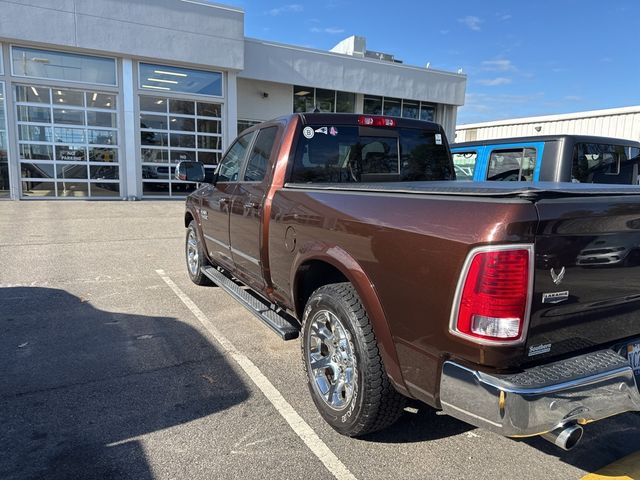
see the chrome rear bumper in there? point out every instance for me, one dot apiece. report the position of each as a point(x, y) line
point(579, 390)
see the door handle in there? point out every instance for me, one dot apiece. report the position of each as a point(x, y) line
point(255, 205)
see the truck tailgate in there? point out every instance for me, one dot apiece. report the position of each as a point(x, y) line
point(587, 274)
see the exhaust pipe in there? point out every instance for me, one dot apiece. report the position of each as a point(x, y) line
point(565, 437)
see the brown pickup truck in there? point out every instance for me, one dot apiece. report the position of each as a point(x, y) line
point(515, 308)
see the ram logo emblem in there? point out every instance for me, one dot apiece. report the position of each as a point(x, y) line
point(557, 277)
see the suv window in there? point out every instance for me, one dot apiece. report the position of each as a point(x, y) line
point(337, 154)
point(259, 158)
point(230, 165)
point(465, 164)
point(601, 163)
point(512, 165)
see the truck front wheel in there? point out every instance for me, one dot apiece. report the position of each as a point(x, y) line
point(195, 256)
point(346, 377)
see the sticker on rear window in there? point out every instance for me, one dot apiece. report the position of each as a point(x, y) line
point(333, 131)
point(323, 130)
point(308, 132)
point(438, 139)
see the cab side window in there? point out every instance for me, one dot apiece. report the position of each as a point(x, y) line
point(231, 164)
point(512, 165)
point(600, 163)
point(260, 154)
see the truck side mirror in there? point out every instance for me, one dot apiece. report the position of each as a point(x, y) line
point(190, 171)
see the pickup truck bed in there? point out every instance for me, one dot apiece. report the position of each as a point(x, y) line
point(442, 291)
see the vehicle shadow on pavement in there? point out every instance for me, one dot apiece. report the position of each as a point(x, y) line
point(80, 385)
point(419, 426)
point(603, 442)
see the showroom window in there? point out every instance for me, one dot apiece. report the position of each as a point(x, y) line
point(307, 99)
point(164, 78)
point(67, 142)
point(396, 107)
point(172, 130)
point(4, 148)
point(69, 67)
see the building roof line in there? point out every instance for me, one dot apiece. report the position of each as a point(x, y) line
point(207, 3)
point(351, 57)
point(552, 118)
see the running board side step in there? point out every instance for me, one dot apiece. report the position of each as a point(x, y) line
point(278, 321)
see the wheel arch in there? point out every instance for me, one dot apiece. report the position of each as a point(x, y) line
point(333, 265)
point(188, 218)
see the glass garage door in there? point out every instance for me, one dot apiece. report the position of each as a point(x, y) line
point(4, 148)
point(67, 142)
point(172, 130)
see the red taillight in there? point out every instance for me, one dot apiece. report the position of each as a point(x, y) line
point(376, 121)
point(495, 294)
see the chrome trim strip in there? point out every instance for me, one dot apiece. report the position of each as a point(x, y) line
point(234, 251)
point(464, 272)
point(222, 244)
point(253, 260)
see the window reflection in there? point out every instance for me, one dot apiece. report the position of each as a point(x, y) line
point(372, 105)
point(73, 67)
point(176, 79)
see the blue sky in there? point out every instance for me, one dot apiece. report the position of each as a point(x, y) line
point(522, 58)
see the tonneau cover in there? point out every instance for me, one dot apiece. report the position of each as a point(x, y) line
point(532, 190)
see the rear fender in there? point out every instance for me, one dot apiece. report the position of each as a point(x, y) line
point(351, 269)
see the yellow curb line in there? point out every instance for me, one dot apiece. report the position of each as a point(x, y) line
point(627, 468)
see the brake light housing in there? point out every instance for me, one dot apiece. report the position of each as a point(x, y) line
point(493, 297)
point(373, 121)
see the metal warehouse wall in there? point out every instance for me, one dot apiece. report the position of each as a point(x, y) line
point(618, 123)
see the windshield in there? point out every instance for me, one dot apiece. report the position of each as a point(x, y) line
point(340, 154)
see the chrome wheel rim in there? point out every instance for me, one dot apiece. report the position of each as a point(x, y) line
point(331, 360)
point(192, 252)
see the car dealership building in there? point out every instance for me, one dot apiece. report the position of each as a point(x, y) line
point(101, 98)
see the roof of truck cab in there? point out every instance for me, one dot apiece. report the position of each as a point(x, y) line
point(547, 138)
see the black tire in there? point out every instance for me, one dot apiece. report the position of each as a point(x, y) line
point(373, 403)
point(195, 264)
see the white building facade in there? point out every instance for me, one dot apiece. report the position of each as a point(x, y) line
point(614, 122)
point(101, 98)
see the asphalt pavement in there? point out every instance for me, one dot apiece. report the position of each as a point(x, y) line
point(110, 369)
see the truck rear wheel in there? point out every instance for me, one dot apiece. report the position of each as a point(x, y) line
point(345, 374)
point(195, 256)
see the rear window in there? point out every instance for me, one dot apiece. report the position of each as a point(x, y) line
point(602, 163)
point(342, 154)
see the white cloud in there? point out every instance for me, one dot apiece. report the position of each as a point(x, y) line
point(505, 17)
point(471, 22)
point(330, 30)
point(494, 82)
point(573, 98)
point(292, 7)
point(499, 65)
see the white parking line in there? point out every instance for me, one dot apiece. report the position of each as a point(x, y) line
point(295, 421)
